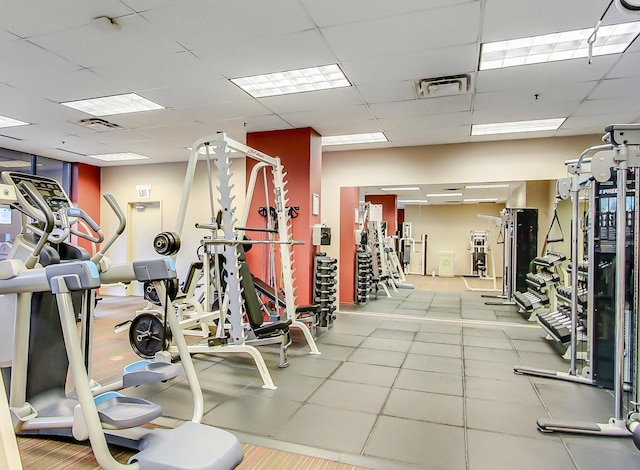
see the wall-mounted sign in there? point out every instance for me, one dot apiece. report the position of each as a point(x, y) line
point(143, 191)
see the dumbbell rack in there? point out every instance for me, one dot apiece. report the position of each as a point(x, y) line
point(325, 270)
point(558, 324)
point(540, 293)
point(364, 275)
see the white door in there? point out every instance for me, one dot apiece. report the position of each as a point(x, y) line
point(144, 222)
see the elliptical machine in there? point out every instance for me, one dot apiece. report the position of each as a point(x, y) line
point(108, 417)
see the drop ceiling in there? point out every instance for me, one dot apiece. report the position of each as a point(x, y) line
point(182, 53)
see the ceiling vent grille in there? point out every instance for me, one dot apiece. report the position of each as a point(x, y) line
point(98, 124)
point(443, 86)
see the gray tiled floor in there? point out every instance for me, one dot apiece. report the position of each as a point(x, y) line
point(421, 380)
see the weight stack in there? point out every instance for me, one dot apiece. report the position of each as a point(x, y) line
point(325, 271)
point(364, 276)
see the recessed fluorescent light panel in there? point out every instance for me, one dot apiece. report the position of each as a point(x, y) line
point(612, 39)
point(118, 157)
point(405, 188)
point(444, 195)
point(486, 199)
point(348, 139)
point(517, 126)
point(116, 104)
point(413, 201)
point(8, 122)
point(486, 186)
point(293, 81)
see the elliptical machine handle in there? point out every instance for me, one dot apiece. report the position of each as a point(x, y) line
point(81, 214)
point(49, 222)
point(122, 223)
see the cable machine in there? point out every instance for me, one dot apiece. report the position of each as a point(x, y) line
point(621, 153)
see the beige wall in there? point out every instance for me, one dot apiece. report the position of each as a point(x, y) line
point(510, 160)
point(166, 182)
point(448, 228)
point(538, 198)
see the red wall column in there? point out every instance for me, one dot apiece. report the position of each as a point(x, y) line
point(86, 194)
point(389, 210)
point(300, 151)
point(349, 199)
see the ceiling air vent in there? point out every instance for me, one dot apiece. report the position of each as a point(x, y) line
point(98, 124)
point(443, 86)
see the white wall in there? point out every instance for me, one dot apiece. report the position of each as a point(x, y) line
point(166, 182)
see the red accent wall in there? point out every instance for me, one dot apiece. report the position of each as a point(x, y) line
point(400, 218)
point(389, 211)
point(86, 193)
point(349, 197)
point(300, 151)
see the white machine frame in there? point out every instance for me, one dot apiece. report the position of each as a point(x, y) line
point(219, 148)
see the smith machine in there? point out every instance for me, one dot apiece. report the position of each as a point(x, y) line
point(229, 289)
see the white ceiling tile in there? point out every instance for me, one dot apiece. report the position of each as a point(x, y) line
point(390, 91)
point(33, 17)
point(524, 112)
point(122, 137)
point(429, 121)
point(150, 119)
point(22, 60)
point(89, 47)
point(362, 126)
point(158, 72)
point(417, 107)
point(508, 19)
point(75, 85)
point(332, 12)
point(313, 100)
point(408, 33)
point(197, 94)
point(544, 75)
point(224, 110)
point(343, 115)
point(627, 66)
point(267, 54)
point(412, 66)
point(205, 24)
point(600, 121)
point(6, 36)
point(271, 122)
point(145, 5)
point(617, 88)
point(606, 106)
point(444, 132)
point(526, 97)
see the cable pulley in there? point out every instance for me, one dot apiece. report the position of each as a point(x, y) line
point(151, 295)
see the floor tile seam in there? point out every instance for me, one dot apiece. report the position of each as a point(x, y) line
point(360, 460)
point(461, 321)
point(428, 391)
point(464, 404)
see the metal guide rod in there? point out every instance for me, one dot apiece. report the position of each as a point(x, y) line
point(621, 261)
point(575, 189)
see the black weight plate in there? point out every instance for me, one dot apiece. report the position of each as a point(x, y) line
point(148, 336)
point(161, 243)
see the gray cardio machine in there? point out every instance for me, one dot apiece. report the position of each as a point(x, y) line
point(111, 416)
